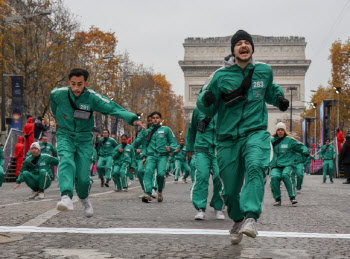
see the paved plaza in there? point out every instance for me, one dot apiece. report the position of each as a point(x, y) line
point(124, 227)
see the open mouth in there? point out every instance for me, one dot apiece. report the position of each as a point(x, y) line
point(243, 52)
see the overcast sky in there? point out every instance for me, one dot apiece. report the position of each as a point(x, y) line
point(153, 31)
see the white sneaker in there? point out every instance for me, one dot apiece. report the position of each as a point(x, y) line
point(65, 204)
point(200, 215)
point(142, 195)
point(249, 228)
point(235, 235)
point(219, 214)
point(41, 196)
point(33, 195)
point(88, 210)
point(130, 182)
point(154, 194)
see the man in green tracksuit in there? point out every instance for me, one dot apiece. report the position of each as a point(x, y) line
point(200, 138)
point(160, 142)
point(327, 154)
point(73, 108)
point(238, 93)
point(123, 161)
point(105, 151)
point(181, 163)
point(36, 172)
point(2, 162)
point(47, 148)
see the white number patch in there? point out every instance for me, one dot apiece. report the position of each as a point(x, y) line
point(258, 84)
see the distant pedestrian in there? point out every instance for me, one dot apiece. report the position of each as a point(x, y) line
point(340, 139)
point(28, 132)
point(327, 155)
point(39, 128)
point(19, 154)
point(344, 159)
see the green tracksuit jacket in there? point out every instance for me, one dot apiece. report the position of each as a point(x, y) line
point(38, 176)
point(74, 137)
point(205, 163)
point(243, 149)
point(2, 162)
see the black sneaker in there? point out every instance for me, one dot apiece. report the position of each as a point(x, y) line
point(346, 182)
point(324, 181)
point(107, 183)
point(331, 180)
point(102, 183)
point(293, 200)
point(146, 199)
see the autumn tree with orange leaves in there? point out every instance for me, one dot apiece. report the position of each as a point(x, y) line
point(340, 78)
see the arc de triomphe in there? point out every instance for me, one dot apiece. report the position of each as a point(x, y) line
point(286, 55)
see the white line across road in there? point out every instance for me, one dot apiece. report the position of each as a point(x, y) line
point(162, 231)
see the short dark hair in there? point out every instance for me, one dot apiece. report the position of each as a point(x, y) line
point(124, 135)
point(105, 130)
point(328, 139)
point(79, 72)
point(149, 116)
point(156, 113)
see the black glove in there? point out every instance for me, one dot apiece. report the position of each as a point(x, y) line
point(209, 98)
point(283, 104)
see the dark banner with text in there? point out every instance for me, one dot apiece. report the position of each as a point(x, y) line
point(17, 102)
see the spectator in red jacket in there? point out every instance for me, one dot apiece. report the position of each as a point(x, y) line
point(28, 132)
point(19, 153)
point(340, 139)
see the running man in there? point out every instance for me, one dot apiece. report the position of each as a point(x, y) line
point(73, 107)
point(238, 94)
point(105, 152)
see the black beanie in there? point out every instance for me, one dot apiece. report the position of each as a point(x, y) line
point(241, 35)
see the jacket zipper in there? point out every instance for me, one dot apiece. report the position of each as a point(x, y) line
point(239, 122)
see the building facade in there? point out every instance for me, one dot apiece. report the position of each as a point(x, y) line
point(286, 56)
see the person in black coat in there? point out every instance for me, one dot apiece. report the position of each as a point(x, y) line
point(39, 128)
point(344, 159)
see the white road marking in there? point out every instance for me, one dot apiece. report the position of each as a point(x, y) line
point(25, 202)
point(162, 231)
point(78, 253)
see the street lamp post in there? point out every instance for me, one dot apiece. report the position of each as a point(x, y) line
point(291, 107)
point(337, 90)
point(314, 105)
point(3, 106)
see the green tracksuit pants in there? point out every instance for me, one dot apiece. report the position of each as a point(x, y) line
point(37, 182)
point(2, 175)
point(119, 175)
point(183, 167)
point(193, 166)
point(75, 152)
point(328, 167)
point(299, 173)
point(155, 167)
point(104, 167)
point(206, 164)
point(130, 175)
point(140, 172)
point(308, 168)
point(245, 159)
point(279, 174)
